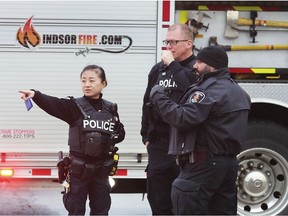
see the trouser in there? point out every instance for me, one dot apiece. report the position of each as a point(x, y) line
point(208, 187)
point(96, 187)
point(161, 172)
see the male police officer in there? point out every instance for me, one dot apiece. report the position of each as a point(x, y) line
point(174, 72)
point(208, 127)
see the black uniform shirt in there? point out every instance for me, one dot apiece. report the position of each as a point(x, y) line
point(62, 108)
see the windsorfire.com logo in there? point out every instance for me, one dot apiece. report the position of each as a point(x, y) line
point(29, 38)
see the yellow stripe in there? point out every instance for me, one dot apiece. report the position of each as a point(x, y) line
point(264, 70)
point(199, 36)
point(247, 8)
point(273, 77)
point(239, 8)
point(183, 16)
point(203, 7)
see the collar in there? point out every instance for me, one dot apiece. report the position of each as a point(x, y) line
point(188, 60)
point(91, 99)
point(218, 74)
point(95, 103)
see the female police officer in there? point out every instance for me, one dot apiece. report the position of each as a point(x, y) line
point(94, 130)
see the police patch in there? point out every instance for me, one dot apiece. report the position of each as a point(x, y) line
point(197, 97)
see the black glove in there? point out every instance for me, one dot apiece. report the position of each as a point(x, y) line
point(155, 90)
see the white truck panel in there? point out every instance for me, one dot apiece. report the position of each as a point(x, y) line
point(54, 69)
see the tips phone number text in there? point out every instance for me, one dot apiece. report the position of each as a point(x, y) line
point(17, 134)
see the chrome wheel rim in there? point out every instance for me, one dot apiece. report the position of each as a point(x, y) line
point(262, 182)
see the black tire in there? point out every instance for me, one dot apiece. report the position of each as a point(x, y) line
point(263, 170)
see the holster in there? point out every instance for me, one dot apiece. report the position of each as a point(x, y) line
point(63, 169)
point(192, 157)
point(112, 164)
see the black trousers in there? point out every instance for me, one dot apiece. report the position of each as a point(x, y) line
point(206, 188)
point(97, 188)
point(162, 170)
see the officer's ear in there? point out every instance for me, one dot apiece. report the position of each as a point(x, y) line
point(104, 83)
point(212, 69)
point(189, 44)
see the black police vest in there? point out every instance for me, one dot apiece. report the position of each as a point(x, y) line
point(165, 78)
point(90, 134)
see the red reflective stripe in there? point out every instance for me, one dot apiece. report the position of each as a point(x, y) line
point(122, 172)
point(240, 70)
point(268, 8)
point(41, 171)
point(165, 26)
point(166, 10)
point(3, 157)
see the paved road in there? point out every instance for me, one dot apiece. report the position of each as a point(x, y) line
point(42, 197)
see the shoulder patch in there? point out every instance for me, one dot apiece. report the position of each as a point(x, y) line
point(197, 97)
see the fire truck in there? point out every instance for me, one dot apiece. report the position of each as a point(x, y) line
point(44, 45)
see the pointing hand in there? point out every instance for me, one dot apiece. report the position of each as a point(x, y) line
point(25, 94)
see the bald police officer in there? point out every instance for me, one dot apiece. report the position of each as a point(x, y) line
point(174, 72)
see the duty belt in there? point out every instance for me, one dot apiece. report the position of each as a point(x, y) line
point(85, 170)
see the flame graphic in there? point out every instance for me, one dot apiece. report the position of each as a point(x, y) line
point(27, 36)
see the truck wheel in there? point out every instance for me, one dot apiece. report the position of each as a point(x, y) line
point(263, 170)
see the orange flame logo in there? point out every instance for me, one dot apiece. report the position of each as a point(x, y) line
point(27, 35)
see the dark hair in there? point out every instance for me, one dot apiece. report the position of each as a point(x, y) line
point(98, 70)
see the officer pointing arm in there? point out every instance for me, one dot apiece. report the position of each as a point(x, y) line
point(92, 132)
